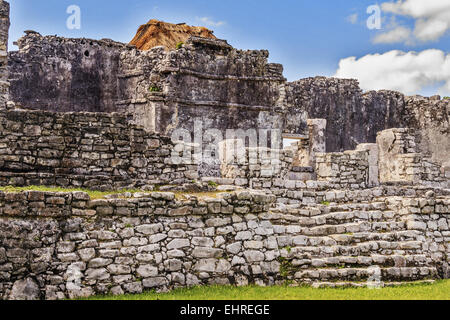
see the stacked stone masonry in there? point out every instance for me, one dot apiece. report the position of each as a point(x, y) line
point(4, 30)
point(65, 245)
point(223, 87)
point(87, 150)
point(103, 114)
point(400, 160)
point(349, 169)
point(254, 167)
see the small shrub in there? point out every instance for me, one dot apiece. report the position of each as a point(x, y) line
point(325, 203)
point(154, 89)
point(180, 45)
point(212, 184)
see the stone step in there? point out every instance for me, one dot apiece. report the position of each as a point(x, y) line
point(310, 249)
point(328, 229)
point(379, 219)
point(382, 284)
point(361, 237)
point(327, 208)
point(364, 274)
point(414, 260)
point(363, 206)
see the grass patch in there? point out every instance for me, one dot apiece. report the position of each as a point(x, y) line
point(206, 194)
point(436, 291)
point(101, 194)
point(154, 89)
point(179, 45)
point(92, 193)
point(212, 184)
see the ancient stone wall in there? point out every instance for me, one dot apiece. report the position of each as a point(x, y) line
point(59, 245)
point(4, 32)
point(349, 169)
point(400, 161)
point(89, 150)
point(254, 167)
point(68, 75)
point(355, 117)
point(224, 88)
point(216, 85)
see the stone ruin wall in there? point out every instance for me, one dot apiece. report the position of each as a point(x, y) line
point(85, 150)
point(65, 245)
point(355, 117)
point(223, 87)
point(400, 160)
point(304, 226)
point(65, 75)
point(4, 32)
point(394, 159)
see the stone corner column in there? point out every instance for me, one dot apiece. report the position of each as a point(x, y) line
point(317, 138)
point(372, 149)
point(4, 33)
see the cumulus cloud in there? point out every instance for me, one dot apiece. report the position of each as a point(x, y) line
point(353, 18)
point(398, 34)
point(210, 22)
point(432, 20)
point(407, 72)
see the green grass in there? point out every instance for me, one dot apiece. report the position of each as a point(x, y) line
point(179, 45)
point(439, 290)
point(154, 89)
point(101, 194)
point(92, 193)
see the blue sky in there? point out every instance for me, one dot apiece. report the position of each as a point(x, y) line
point(308, 37)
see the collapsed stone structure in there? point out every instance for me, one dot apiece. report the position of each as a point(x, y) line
point(223, 87)
point(98, 115)
point(158, 33)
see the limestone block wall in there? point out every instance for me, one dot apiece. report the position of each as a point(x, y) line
point(66, 75)
point(253, 167)
point(4, 29)
point(349, 169)
point(58, 245)
point(141, 86)
point(400, 161)
point(355, 117)
point(89, 150)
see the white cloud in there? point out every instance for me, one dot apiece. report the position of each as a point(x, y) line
point(432, 20)
point(398, 34)
point(353, 18)
point(407, 72)
point(210, 22)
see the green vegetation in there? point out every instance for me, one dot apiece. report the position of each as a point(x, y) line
point(92, 193)
point(101, 194)
point(179, 45)
point(325, 203)
point(154, 89)
point(446, 98)
point(286, 267)
point(437, 291)
point(212, 184)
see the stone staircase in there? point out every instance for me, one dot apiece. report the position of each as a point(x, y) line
point(352, 243)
